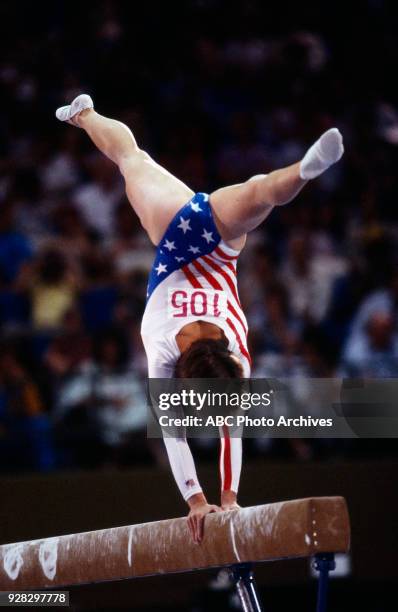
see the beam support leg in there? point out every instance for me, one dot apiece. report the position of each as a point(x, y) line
point(242, 575)
point(323, 563)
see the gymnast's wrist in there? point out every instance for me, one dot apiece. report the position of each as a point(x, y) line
point(197, 499)
point(228, 497)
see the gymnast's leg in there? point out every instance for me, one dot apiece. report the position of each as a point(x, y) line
point(238, 209)
point(155, 194)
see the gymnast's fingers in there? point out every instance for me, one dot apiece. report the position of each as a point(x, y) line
point(195, 520)
point(200, 520)
point(191, 527)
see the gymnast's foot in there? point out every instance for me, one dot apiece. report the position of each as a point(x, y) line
point(71, 112)
point(325, 152)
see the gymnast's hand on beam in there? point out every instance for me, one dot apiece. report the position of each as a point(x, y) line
point(228, 500)
point(196, 517)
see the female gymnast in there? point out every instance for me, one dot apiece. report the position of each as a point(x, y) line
point(193, 325)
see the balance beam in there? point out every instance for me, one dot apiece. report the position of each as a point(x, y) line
point(284, 530)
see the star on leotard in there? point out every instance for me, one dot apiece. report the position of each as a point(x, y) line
point(180, 259)
point(170, 245)
point(161, 268)
point(195, 207)
point(184, 225)
point(193, 249)
point(208, 236)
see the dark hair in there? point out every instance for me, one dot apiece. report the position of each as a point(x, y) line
point(208, 359)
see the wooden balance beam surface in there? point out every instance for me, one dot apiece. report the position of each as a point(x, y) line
point(298, 528)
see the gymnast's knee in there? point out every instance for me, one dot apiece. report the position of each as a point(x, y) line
point(256, 177)
point(130, 161)
point(255, 196)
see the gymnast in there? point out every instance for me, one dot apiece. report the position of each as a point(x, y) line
point(193, 325)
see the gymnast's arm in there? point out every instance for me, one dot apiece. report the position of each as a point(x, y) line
point(183, 468)
point(230, 468)
point(184, 472)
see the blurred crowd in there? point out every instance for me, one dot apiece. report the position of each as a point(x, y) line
point(215, 103)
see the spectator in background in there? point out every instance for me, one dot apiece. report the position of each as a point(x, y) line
point(244, 155)
point(60, 171)
point(71, 235)
point(32, 205)
point(15, 248)
point(275, 332)
point(25, 432)
point(67, 353)
point(100, 292)
point(309, 277)
point(383, 299)
point(105, 402)
point(184, 153)
point(373, 352)
point(120, 398)
point(314, 390)
point(347, 292)
point(14, 307)
point(257, 272)
point(98, 199)
point(129, 249)
point(52, 286)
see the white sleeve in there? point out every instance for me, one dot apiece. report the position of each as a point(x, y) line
point(182, 466)
point(160, 357)
point(160, 370)
point(161, 365)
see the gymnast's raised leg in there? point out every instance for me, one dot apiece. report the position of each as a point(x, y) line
point(238, 209)
point(154, 193)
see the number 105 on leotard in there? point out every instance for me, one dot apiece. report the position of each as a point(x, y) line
point(196, 303)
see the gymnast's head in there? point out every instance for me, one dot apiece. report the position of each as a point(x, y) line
point(208, 358)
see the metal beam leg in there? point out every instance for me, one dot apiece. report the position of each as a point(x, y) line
point(242, 575)
point(323, 563)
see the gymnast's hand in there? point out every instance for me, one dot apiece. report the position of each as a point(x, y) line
point(196, 517)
